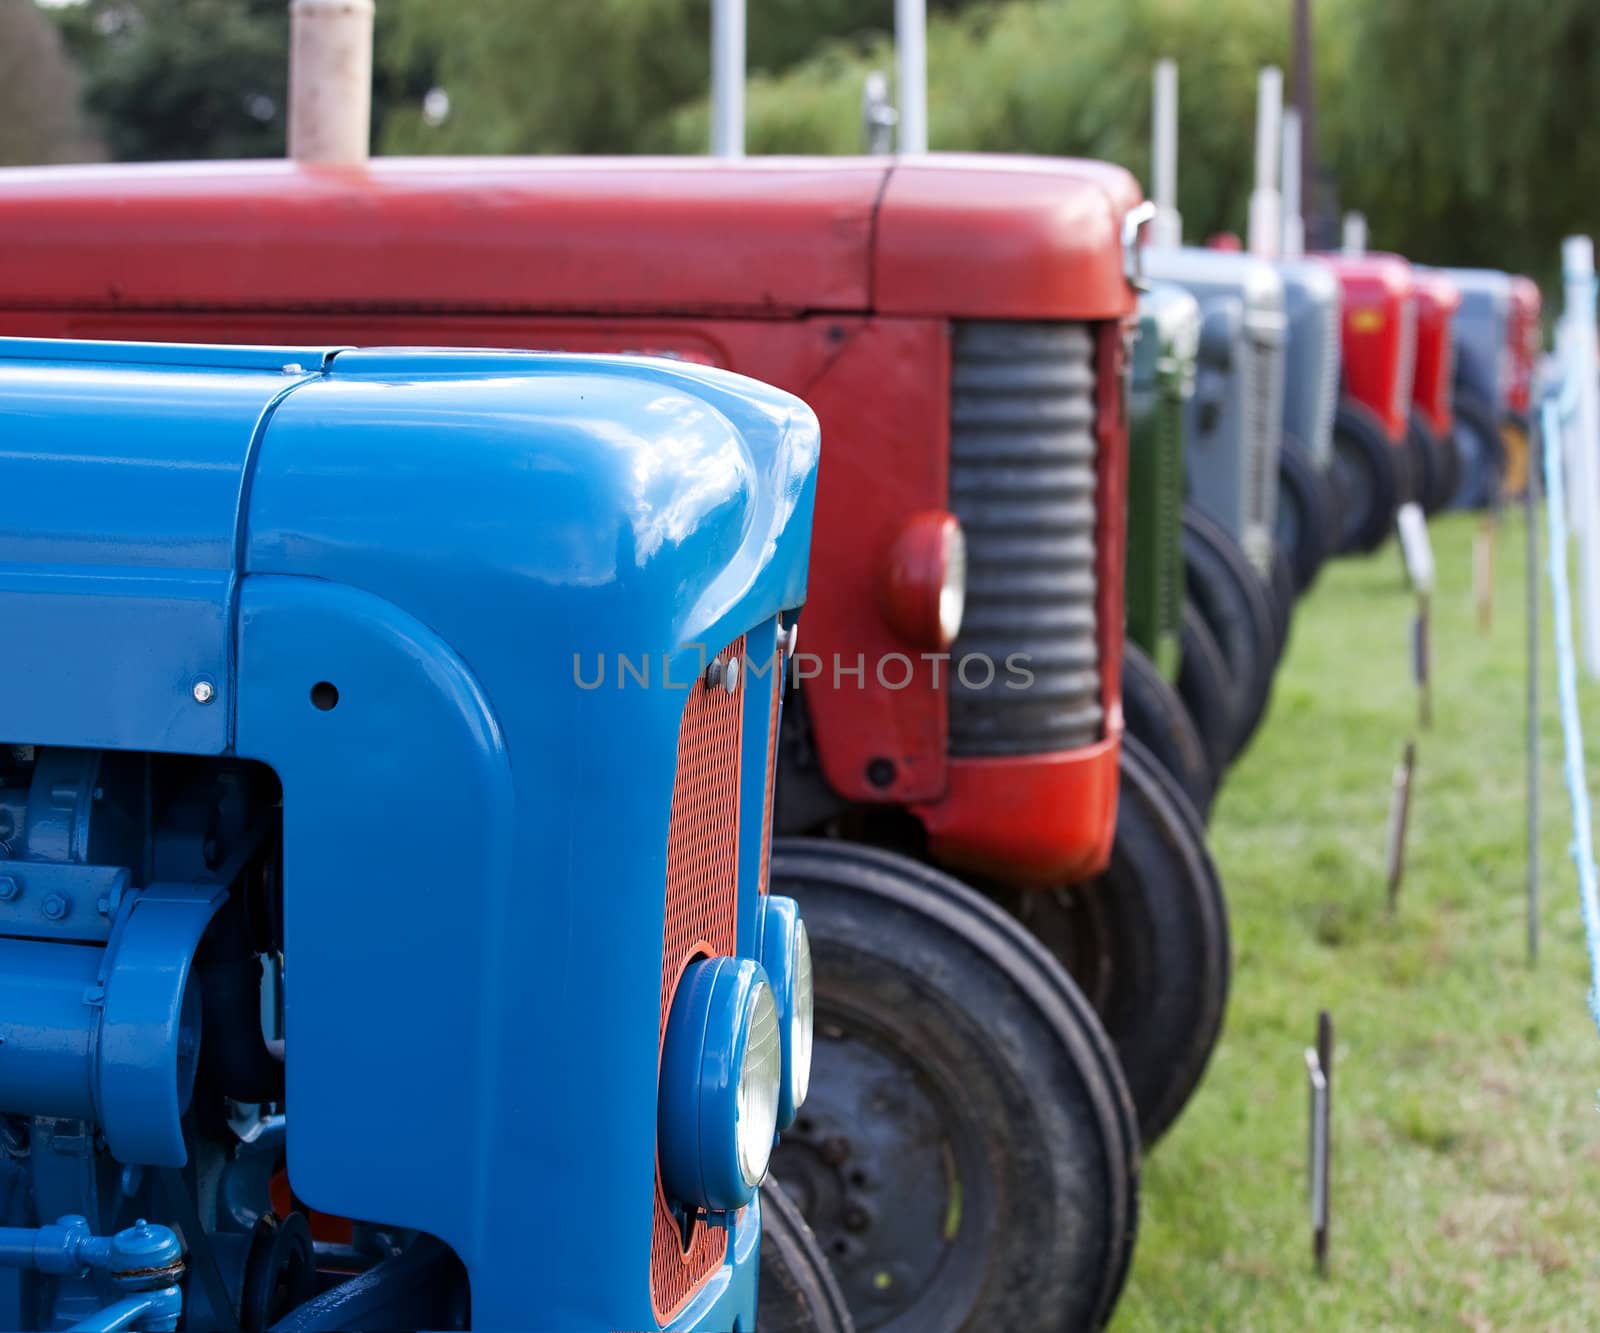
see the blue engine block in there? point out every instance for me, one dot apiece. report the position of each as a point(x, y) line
point(318, 861)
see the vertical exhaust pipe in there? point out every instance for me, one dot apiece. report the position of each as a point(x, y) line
point(911, 43)
point(727, 77)
point(1266, 205)
point(1355, 234)
point(1294, 223)
point(1167, 229)
point(878, 116)
point(330, 81)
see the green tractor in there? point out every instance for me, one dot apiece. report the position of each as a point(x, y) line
point(1163, 634)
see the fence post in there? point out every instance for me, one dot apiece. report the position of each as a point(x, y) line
point(1577, 262)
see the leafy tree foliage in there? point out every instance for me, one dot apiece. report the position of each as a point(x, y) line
point(40, 120)
point(1464, 127)
point(183, 78)
point(191, 79)
point(597, 77)
point(1054, 78)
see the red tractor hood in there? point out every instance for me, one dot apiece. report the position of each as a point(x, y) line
point(763, 236)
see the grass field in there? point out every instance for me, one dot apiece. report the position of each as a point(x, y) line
point(1466, 1178)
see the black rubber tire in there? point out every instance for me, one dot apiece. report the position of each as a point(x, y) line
point(1281, 587)
point(1206, 687)
point(1153, 713)
point(1482, 452)
point(1446, 468)
point(1336, 494)
point(1422, 457)
point(1305, 523)
point(1147, 941)
point(1370, 477)
point(1237, 606)
point(798, 1292)
point(967, 1111)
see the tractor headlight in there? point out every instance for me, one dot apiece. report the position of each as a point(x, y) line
point(760, 1083)
point(924, 590)
point(786, 955)
point(721, 1071)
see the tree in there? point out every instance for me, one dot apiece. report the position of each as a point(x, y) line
point(190, 79)
point(1069, 79)
point(183, 78)
point(1462, 127)
point(39, 116)
point(602, 76)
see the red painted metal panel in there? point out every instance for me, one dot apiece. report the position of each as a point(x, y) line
point(1527, 341)
point(987, 237)
point(1042, 821)
point(638, 235)
point(1376, 289)
point(1433, 389)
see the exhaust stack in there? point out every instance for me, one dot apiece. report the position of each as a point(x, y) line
point(878, 116)
point(1355, 235)
point(911, 43)
point(1167, 229)
point(330, 81)
point(1294, 223)
point(1266, 205)
point(727, 78)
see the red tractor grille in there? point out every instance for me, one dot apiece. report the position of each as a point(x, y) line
point(701, 921)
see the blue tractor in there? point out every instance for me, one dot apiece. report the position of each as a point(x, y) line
point(386, 764)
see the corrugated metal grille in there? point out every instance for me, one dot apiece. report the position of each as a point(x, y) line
point(1328, 401)
point(1407, 367)
point(1169, 511)
point(1255, 393)
point(1262, 394)
point(1023, 484)
point(702, 897)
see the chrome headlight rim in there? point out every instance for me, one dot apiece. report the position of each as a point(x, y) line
point(720, 1084)
point(786, 955)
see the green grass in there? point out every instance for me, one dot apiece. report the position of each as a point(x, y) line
point(1466, 1175)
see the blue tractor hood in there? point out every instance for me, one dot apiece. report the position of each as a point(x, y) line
point(392, 577)
point(594, 503)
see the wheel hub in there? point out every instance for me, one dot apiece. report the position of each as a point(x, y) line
point(870, 1164)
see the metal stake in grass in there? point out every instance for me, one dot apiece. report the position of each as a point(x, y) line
point(1400, 821)
point(1417, 551)
point(1319, 1081)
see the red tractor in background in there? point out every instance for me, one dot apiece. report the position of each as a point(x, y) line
point(1435, 462)
point(1527, 344)
point(959, 326)
point(1372, 471)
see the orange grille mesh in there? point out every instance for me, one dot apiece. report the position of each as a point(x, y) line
point(772, 766)
point(701, 919)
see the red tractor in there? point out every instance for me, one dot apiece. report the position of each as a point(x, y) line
point(1430, 438)
point(1527, 344)
point(960, 327)
point(1372, 470)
